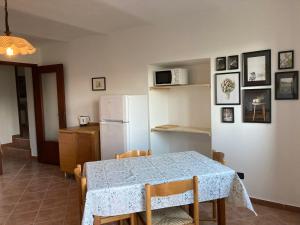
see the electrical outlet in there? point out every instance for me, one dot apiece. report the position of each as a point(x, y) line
point(241, 175)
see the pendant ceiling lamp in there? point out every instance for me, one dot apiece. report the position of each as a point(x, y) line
point(12, 45)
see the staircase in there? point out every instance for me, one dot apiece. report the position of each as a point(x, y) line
point(19, 148)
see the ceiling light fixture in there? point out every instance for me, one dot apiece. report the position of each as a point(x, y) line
point(12, 45)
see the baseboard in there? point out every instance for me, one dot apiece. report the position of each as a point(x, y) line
point(275, 205)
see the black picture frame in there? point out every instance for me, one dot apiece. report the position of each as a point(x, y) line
point(233, 62)
point(99, 84)
point(291, 61)
point(227, 110)
point(257, 70)
point(254, 110)
point(287, 89)
point(238, 88)
point(220, 63)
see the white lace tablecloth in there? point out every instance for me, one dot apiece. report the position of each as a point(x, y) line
point(116, 187)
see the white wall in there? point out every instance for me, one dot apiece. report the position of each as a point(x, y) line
point(9, 118)
point(268, 154)
point(31, 112)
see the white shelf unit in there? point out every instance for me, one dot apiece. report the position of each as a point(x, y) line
point(180, 86)
point(181, 129)
point(187, 107)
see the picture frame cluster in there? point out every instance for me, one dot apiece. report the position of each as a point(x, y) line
point(256, 72)
point(229, 63)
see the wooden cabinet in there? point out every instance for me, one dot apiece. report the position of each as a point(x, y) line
point(78, 145)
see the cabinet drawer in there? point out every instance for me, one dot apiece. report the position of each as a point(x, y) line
point(84, 153)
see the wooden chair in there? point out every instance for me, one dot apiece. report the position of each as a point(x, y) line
point(81, 181)
point(174, 215)
point(133, 153)
point(219, 157)
point(1, 153)
point(98, 220)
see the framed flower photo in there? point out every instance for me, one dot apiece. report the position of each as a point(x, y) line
point(220, 63)
point(257, 105)
point(286, 60)
point(286, 85)
point(227, 115)
point(98, 84)
point(227, 88)
point(257, 68)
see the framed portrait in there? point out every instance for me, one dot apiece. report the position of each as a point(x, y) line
point(286, 60)
point(286, 85)
point(220, 63)
point(227, 114)
point(233, 62)
point(227, 88)
point(257, 68)
point(257, 105)
point(99, 84)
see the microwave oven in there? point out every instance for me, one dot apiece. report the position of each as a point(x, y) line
point(177, 76)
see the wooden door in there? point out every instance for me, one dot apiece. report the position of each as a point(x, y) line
point(50, 110)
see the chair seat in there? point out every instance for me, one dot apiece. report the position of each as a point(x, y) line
point(168, 216)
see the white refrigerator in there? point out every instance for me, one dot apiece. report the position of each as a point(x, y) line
point(123, 124)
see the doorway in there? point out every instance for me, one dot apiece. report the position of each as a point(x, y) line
point(17, 111)
point(22, 101)
point(40, 109)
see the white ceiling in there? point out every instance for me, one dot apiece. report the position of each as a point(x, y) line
point(69, 19)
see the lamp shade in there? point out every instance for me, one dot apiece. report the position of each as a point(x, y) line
point(11, 45)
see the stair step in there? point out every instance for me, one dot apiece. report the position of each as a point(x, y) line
point(10, 150)
point(21, 142)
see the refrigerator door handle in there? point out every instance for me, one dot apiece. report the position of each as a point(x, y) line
point(113, 121)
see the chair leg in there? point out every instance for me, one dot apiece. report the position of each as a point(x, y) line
point(133, 219)
point(97, 221)
point(214, 210)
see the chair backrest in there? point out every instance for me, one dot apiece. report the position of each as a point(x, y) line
point(172, 188)
point(82, 186)
point(133, 153)
point(219, 157)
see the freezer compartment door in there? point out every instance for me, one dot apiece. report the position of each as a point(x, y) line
point(113, 108)
point(113, 138)
point(139, 122)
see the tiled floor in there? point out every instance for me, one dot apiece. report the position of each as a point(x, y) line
point(38, 194)
point(33, 193)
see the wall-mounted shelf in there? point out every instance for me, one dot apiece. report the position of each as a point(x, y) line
point(179, 86)
point(182, 129)
point(186, 105)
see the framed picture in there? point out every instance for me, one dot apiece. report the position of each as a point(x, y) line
point(257, 105)
point(227, 114)
point(220, 63)
point(233, 62)
point(227, 88)
point(257, 68)
point(99, 84)
point(286, 85)
point(286, 60)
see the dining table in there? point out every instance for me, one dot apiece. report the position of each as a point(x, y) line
point(116, 187)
